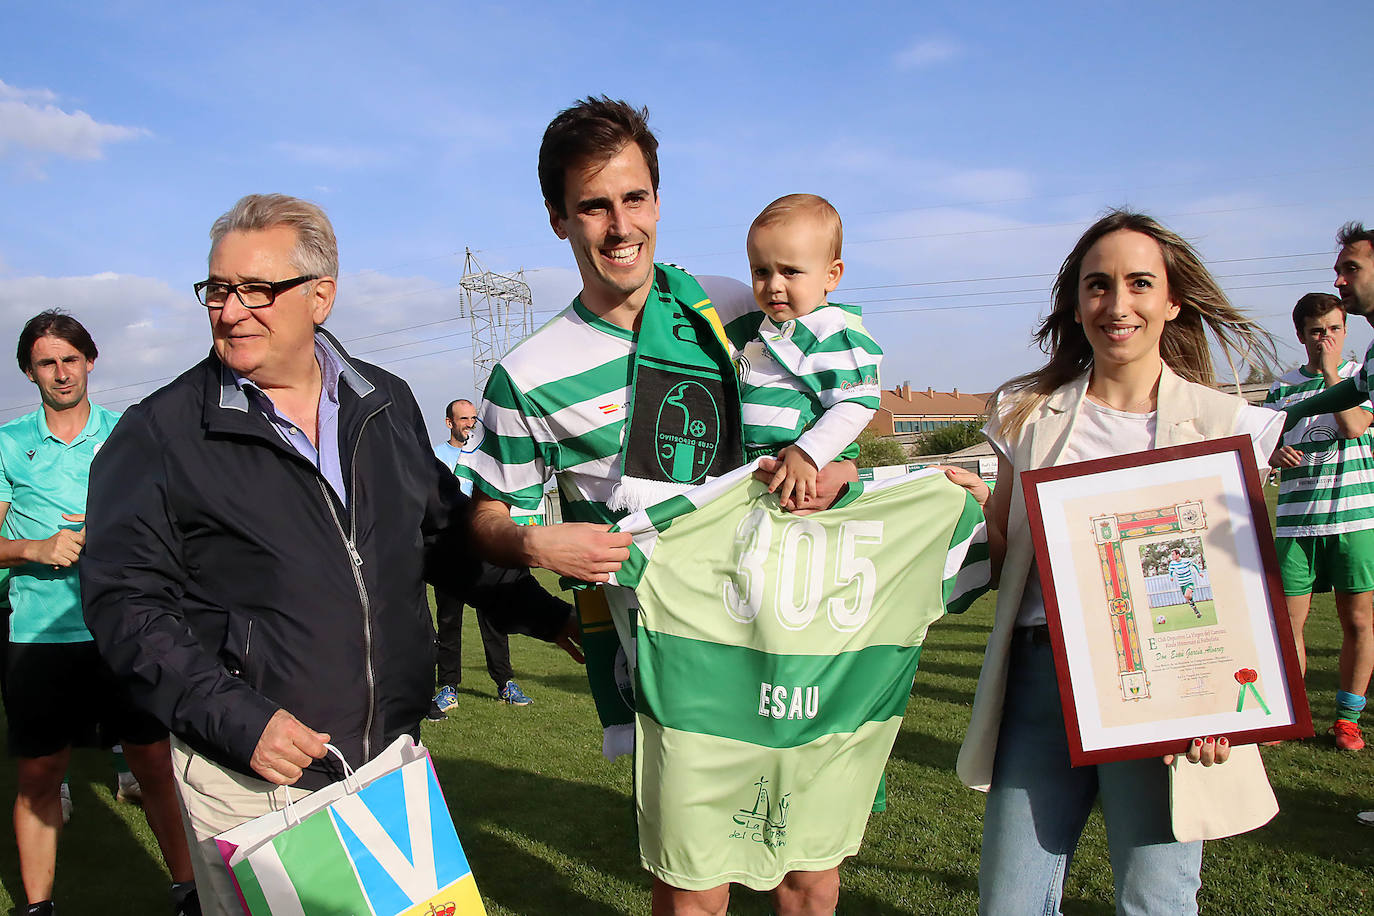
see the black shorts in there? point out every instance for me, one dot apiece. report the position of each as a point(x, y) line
point(60, 695)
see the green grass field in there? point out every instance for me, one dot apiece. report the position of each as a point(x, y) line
point(549, 828)
point(548, 825)
point(1181, 617)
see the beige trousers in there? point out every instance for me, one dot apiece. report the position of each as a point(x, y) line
point(214, 799)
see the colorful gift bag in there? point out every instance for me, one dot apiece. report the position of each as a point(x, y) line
point(379, 842)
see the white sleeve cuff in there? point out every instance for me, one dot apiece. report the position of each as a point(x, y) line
point(834, 431)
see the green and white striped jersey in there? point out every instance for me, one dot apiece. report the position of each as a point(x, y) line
point(556, 404)
point(1363, 376)
point(1183, 572)
point(812, 381)
point(776, 655)
point(1332, 491)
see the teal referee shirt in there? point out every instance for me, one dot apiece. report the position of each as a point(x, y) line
point(42, 478)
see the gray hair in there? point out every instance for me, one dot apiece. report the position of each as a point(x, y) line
point(316, 252)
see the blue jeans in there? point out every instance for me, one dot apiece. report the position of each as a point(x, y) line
point(1039, 804)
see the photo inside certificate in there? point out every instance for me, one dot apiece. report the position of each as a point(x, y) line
point(1162, 599)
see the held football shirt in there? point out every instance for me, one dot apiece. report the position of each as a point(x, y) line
point(775, 657)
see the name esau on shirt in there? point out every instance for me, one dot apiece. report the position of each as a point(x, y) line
point(793, 580)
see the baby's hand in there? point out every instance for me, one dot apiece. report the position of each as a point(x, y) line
point(795, 476)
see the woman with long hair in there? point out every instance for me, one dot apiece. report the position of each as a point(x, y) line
point(1129, 369)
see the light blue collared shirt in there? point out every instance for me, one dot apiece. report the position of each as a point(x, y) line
point(326, 456)
point(455, 458)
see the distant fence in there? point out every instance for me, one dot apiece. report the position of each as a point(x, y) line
point(986, 467)
point(1164, 591)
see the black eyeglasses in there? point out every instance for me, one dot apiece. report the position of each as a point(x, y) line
point(253, 295)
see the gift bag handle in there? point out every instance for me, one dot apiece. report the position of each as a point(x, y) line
point(289, 811)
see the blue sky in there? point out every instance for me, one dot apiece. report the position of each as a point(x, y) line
point(961, 142)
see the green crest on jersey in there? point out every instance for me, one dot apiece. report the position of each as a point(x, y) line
point(687, 432)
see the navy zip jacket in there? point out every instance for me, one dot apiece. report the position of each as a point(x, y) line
point(223, 579)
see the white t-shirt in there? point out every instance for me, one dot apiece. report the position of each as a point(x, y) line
point(1102, 432)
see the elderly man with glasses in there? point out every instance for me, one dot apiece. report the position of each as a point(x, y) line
point(260, 532)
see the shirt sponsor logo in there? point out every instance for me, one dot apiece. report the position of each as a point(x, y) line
point(763, 823)
point(868, 381)
point(1319, 444)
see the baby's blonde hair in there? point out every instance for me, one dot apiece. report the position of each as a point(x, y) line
point(807, 206)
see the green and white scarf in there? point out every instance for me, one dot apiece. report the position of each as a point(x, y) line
point(684, 422)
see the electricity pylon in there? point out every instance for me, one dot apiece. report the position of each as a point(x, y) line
point(500, 309)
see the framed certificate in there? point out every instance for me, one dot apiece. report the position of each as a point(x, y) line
point(1165, 606)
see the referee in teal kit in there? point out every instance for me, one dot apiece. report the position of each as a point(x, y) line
point(58, 693)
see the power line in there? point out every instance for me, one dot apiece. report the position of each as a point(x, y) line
point(989, 202)
point(412, 327)
point(1010, 292)
point(440, 352)
point(925, 283)
point(131, 399)
point(945, 308)
point(1033, 227)
point(455, 254)
point(1043, 276)
point(411, 343)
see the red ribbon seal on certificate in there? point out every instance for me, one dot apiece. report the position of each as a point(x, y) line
point(1246, 678)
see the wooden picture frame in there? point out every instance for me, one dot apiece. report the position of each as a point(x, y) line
point(1183, 533)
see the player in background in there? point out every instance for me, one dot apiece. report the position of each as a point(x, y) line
point(460, 418)
point(59, 693)
point(1184, 573)
point(1355, 282)
point(1325, 520)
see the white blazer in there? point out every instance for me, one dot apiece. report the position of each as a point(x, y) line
point(1206, 802)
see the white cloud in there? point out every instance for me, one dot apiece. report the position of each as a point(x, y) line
point(974, 332)
point(928, 52)
point(14, 93)
point(434, 355)
point(144, 328)
point(148, 332)
point(977, 185)
point(341, 158)
point(30, 123)
point(956, 328)
point(934, 180)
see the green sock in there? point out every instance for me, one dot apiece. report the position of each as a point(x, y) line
point(1349, 706)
